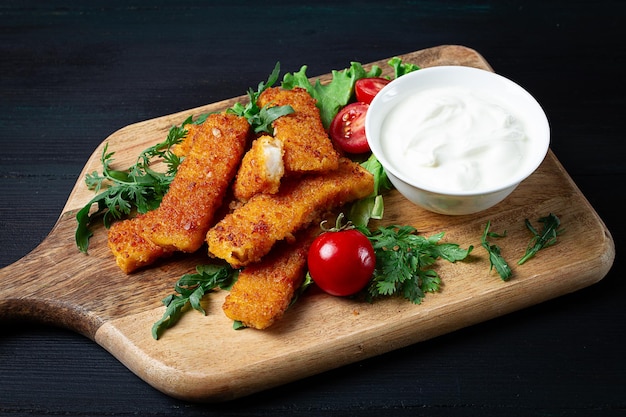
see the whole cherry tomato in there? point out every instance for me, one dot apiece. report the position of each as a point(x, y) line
point(366, 88)
point(347, 129)
point(341, 262)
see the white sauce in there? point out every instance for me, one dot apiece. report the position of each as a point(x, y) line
point(454, 139)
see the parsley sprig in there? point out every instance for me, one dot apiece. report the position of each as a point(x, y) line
point(189, 290)
point(138, 188)
point(404, 262)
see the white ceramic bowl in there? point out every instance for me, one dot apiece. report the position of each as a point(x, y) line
point(432, 196)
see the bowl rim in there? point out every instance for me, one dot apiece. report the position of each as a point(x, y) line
point(408, 79)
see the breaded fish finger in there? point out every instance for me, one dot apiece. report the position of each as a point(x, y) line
point(249, 232)
point(264, 290)
point(187, 210)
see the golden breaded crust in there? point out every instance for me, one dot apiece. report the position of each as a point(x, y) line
point(131, 250)
point(306, 143)
point(264, 290)
point(187, 210)
point(249, 232)
point(261, 169)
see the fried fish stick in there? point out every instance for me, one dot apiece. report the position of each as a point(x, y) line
point(249, 232)
point(184, 216)
point(264, 290)
point(131, 250)
point(307, 145)
point(261, 169)
point(187, 210)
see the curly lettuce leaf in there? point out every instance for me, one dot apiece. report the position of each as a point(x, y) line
point(333, 96)
point(372, 206)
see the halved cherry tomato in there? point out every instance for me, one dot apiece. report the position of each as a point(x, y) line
point(347, 129)
point(341, 262)
point(366, 88)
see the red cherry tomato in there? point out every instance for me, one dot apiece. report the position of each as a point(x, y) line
point(341, 263)
point(347, 129)
point(366, 88)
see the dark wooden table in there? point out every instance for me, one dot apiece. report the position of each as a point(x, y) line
point(72, 73)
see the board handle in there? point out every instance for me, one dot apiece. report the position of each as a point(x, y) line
point(48, 284)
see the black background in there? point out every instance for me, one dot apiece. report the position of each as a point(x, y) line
point(72, 73)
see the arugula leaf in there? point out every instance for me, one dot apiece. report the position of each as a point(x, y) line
point(404, 260)
point(137, 188)
point(333, 96)
point(260, 119)
point(189, 290)
point(547, 237)
point(496, 260)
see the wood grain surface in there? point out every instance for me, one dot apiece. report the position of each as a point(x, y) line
point(89, 294)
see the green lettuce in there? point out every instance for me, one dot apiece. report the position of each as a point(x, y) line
point(335, 95)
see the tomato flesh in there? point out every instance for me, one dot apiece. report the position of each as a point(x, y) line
point(341, 263)
point(347, 129)
point(367, 88)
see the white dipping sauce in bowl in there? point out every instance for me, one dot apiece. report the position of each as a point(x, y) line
point(456, 140)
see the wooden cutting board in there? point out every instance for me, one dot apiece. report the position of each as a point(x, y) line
point(203, 359)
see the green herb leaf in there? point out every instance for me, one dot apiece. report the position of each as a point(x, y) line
point(401, 68)
point(260, 119)
point(404, 260)
point(496, 260)
point(372, 206)
point(547, 237)
point(189, 290)
point(262, 122)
